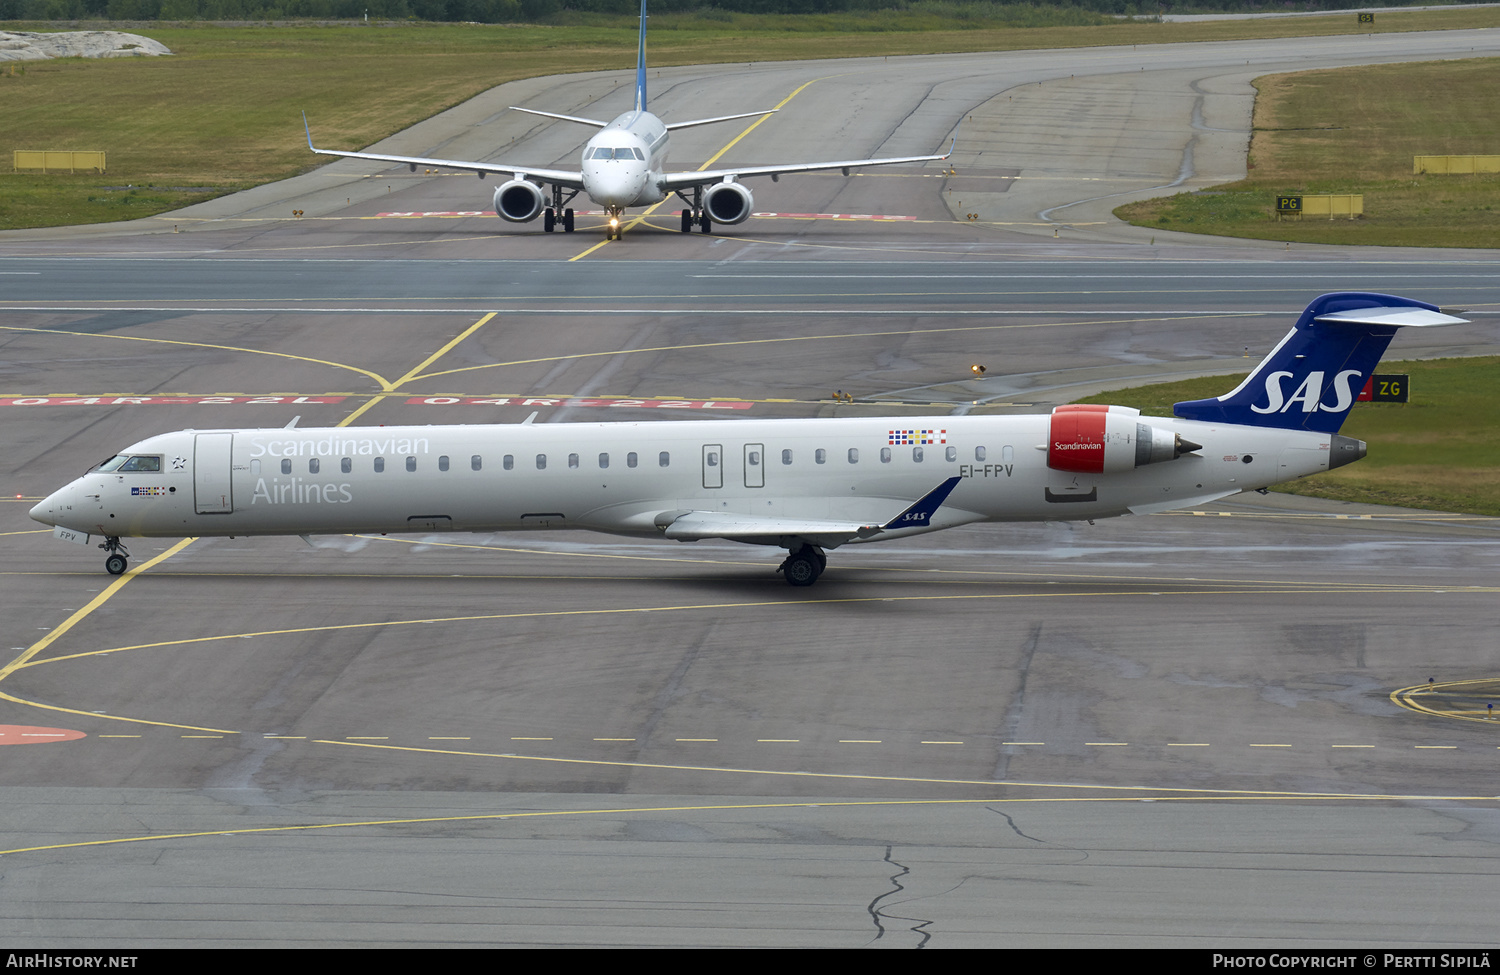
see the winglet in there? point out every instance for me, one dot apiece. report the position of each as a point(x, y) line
point(919, 515)
point(308, 130)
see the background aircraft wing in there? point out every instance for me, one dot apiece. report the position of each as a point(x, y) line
point(560, 177)
point(678, 181)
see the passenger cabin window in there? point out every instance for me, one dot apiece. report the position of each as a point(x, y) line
point(786, 457)
point(885, 455)
point(630, 459)
point(951, 454)
point(443, 462)
point(509, 462)
point(573, 462)
point(476, 462)
point(603, 461)
point(711, 458)
point(854, 455)
point(820, 456)
point(411, 464)
point(541, 462)
point(379, 465)
point(916, 454)
point(286, 465)
point(346, 465)
point(979, 453)
point(665, 460)
point(314, 465)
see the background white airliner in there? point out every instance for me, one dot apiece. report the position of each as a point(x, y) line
point(622, 167)
point(804, 485)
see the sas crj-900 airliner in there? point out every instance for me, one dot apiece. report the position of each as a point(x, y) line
point(805, 485)
point(622, 168)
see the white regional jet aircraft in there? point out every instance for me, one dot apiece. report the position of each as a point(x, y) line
point(622, 167)
point(803, 485)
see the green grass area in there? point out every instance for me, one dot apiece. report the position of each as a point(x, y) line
point(1355, 130)
point(1428, 453)
point(224, 110)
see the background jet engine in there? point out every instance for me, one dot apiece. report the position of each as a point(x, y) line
point(519, 200)
point(1108, 440)
point(728, 203)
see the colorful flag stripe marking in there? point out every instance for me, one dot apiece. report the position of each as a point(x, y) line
point(902, 438)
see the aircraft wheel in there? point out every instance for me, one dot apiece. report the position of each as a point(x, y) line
point(115, 564)
point(568, 220)
point(704, 224)
point(687, 221)
point(549, 220)
point(802, 568)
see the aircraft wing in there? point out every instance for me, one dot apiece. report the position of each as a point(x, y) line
point(679, 181)
point(559, 177)
point(692, 526)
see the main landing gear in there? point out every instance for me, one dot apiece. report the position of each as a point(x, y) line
point(559, 212)
point(116, 562)
point(550, 221)
point(803, 566)
point(696, 212)
point(701, 218)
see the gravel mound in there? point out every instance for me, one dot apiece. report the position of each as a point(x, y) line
point(26, 46)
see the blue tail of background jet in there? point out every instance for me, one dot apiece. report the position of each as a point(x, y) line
point(1310, 380)
point(640, 65)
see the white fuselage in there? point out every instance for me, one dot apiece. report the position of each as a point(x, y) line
point(622, 164)
point(632, 478)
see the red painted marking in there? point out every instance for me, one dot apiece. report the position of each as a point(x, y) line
point(164, 400)
point(21, 734)
point(644, 404)
point(835, 216)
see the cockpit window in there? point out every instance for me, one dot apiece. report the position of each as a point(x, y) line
point(113, 462)
point(602, 153)
point(622, 153)
point(141, 463)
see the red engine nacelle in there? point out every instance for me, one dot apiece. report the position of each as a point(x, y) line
point(728, 203)
point(1108, 440)
point(519, 201)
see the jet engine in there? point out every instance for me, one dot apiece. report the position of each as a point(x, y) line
point(519, 200)
point(1109, 440)
point(728, 203)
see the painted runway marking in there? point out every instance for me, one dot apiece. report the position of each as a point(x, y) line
point(166, 400)
point(19, 734)
point(1459, 700)
point(597, 401)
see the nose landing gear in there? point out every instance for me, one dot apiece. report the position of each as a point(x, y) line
point(117, 559)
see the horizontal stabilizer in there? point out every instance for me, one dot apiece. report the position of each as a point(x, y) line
point(1398, 317)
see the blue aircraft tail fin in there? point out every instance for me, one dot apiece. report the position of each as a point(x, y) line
point(640, 65)
point(1311, 379)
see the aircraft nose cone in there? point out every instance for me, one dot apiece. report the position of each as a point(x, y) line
point(42, 511)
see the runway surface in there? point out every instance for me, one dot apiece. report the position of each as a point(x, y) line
point(1207, 729)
